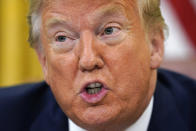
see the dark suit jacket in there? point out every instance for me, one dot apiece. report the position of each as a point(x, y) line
point(32, 107)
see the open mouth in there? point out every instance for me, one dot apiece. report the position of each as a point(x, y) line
point(94, 88)
point(93, 92)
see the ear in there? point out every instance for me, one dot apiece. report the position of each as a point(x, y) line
point(157, 48)
point(42, 59)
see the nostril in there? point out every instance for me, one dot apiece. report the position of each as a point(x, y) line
point(90, 61)
point(90, 65)
point(84, 69)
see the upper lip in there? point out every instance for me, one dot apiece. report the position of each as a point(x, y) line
point(87, 83)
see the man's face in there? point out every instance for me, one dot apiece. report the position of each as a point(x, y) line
point(97, 61)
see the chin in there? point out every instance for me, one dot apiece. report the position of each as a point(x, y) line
point(96, 117)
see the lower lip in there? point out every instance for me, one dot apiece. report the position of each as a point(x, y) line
point(93, 98)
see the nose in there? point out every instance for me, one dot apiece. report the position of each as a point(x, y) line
point(89, 58)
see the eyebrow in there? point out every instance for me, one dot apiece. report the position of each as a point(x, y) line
point(112, 10)
point(55, 20)
point(59, 23)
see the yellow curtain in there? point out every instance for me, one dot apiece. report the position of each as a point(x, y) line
point(18, 62)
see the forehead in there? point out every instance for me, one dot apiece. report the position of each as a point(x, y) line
point(84, 3)
point(79, 12)
point(82, 7)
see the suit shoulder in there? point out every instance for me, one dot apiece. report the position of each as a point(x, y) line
point(21, 104)
point(17, 96)
point(177, 82)
point(183, 93)
point(24, 90)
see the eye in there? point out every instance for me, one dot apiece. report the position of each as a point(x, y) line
point(63, 41)
point(110, 31)
point(61, 38)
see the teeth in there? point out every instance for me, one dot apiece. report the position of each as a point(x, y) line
point(93, 91)
point(94, 88)
point(93, 85)
point(98, 84)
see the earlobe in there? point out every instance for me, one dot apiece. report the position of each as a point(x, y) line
point(157, 49)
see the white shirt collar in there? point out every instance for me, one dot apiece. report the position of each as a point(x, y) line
point(140, 125)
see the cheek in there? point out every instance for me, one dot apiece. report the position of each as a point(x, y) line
point(130, 68)
point(61, 73)
point(62, 66)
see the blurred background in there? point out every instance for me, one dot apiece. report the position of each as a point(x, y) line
point(180, 46)
point(19, 64)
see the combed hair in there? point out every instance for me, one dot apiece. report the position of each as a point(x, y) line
point(34, 21)
point(149, 11)
point(151, 15)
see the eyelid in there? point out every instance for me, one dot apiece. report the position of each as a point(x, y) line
point(101, 26)
point(113, 25)
point(110, 24)
point(62, 33)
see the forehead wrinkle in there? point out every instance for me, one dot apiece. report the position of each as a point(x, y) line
point(110, 9)
point(59, 21)
point(53, 21)
point(129, 6)
point(55, 17)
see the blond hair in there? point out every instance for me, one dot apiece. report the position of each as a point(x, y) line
point(149, 11)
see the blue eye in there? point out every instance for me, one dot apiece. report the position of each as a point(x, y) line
point(109, 30)
point(61, 38)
